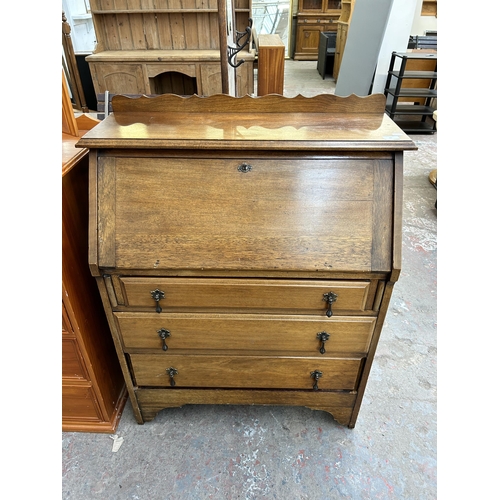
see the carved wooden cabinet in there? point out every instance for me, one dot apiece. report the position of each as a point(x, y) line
point(246, 248)
point(313, 18)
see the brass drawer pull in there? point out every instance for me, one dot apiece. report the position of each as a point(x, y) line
point(157, 296)
point(322, 337)
point(316, 375)
point(329, 298)
point(163, 334)
point(171, 373)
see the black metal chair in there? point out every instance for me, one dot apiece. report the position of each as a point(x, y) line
point(326, 52)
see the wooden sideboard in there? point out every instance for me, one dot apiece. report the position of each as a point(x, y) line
point(93, 387)
point(313, 18)
point(246, 249)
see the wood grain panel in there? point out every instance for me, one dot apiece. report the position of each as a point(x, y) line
point(152, 32)
point(164, 32)
point(203, 30)
point(191, 31)
point(312, 215)
point(177, 26)
point(383, 189)
point(137, 33)
point(111, 33)
point(107, 212)
point(271, 65)
point(125, 23)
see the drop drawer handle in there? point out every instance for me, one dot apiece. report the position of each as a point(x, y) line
point(157, 295)
point(171, 373)
point(163, 334)
point(316, 375)
point(322, 337)
point(329, 298)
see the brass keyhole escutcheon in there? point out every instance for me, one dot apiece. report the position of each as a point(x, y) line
point(244, 167)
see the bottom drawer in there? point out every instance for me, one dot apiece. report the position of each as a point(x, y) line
point(248, 372)
point(79, 402)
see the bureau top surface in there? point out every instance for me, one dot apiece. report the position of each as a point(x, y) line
point(269, 122)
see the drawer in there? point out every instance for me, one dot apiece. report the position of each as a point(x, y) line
point(72, 361)
point(245, 295)
point(79, 402)
point(245, 372)
point(249, 332)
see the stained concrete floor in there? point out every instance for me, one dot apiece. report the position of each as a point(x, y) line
point(254, 452)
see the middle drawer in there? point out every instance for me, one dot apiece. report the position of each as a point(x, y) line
point(249, 332)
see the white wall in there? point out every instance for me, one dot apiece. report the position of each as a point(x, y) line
point(397, 33)
point(422, 23)
point(82, 28)
point(364, 40)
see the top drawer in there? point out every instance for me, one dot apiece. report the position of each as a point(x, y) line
point(244, 295)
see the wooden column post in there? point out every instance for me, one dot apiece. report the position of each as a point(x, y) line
point(222, 12)
point(74, 74)
point(226, 38)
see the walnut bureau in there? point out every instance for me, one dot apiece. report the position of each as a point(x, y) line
point(246, 248)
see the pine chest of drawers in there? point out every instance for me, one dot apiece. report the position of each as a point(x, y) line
point(246, 248)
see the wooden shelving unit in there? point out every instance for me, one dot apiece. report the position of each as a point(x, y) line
point(403, 101)
point(164, 46)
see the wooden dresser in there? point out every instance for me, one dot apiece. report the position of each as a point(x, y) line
point(157, 47)
point(246, 248)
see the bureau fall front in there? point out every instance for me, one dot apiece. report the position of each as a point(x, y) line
point(246, 249)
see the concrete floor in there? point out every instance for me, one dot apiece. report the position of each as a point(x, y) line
point(245, 452)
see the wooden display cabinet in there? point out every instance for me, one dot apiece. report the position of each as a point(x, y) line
point(314, 17)
point(342, 31)
point(147, 47)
